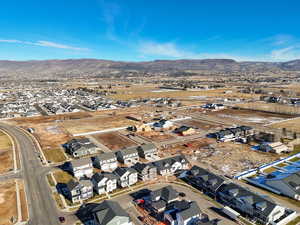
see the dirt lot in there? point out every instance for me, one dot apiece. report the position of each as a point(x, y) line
point(105, 121)
point(113, 140)
point(198, 124)
point(22, 121)
point(186, 148)
point(51, 137)
point(8, 202)
point(6, 154)
point(156, 136)
point(249, 116)
point(230, 158)
point(291, 125)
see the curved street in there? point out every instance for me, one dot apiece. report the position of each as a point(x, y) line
point(41, 206)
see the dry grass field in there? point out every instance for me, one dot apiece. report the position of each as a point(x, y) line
point(198, 124)
point(51, 137)
point(8, 203)
point(271, 107)
point(159, 93)
point(62, 176)
point(6, 154)
point(97, 123)
point(291, 125)
point(114, 140)
point(249, 116)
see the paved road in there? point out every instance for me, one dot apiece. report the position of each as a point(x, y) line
point(42, 209)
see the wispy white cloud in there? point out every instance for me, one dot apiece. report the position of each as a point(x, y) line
point(168, 49)
point(43, 44)
point(172, 50)
point(282, 39)
point(287, 53)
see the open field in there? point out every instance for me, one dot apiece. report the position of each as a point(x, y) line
point(28, 121)
point(250, 116)
point(51, 137)
point(231, 158)
point(6, 154)
point(198, 124)
point(8, 203)
point(114, 140)
point(150, 92)
point(291, 125)
point(156, 136)
point(97, 123)
point(271, 107)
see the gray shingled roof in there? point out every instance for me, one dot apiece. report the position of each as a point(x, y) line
point(81, 162)
point(190, 212)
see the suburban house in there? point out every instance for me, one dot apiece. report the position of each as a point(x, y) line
point(286, 183)
point(169, 166)
point(234, 133)
point(183, 213)
point(274, 147)
point(105, 213)
point(128, 156)
point(239, 200)
point(159, 199)
point(126, 176)
point(213, 106)
point(184, 130)
point(205, 180)
point(81, 168)
point(148, 151)
point(141, 128)
point(146, 171)
point(79, 190)
point(80, 147)
point(257, 207)
point(104, 182)
point(162, 125)
point(106, 161)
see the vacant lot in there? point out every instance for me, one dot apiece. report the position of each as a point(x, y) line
point(291, 125)
point(28, 121)
point(271, 107)
point(156, 136)
point(150, 92)
point(198, 124)
point(249, 116)
point(62, 176)
point(98, 123)
point(230, 158)
point(6, 154)
point(51, 136)
point(114, 140)
point(8, 203)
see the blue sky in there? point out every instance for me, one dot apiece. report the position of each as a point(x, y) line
point(141, 30)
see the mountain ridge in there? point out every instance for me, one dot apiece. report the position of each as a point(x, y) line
point(97, 67)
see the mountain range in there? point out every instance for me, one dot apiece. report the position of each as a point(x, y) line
point(35, 69)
